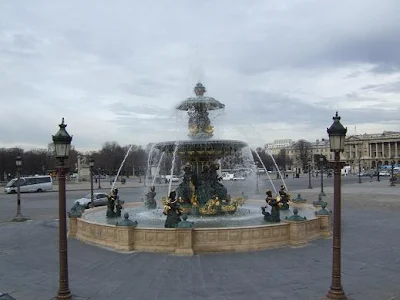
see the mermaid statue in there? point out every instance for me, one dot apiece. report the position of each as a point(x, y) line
point(274, 215)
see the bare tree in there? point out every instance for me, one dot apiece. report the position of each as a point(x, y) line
point(7, 162)
point(265, 158)
point(282, 159)
point(303, 152)
point(321, 161)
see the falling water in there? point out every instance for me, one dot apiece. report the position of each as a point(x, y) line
point(277, 169)
point(149, 159)
point(120, 167)
point(172, 167)
point(158, 168)
point(266, 171)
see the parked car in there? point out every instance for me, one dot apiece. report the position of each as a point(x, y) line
point(100, 199)
point(384, 173)
point(235, 178)
point(227, 176)
point(172, 178)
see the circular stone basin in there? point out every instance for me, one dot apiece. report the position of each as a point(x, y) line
point(243, 231)
point(246, 215)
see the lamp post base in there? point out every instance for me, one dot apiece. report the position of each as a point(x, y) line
point(64, 296)
point(335, 294)
point(322, 194)
point(19, 218)
point(310, 187)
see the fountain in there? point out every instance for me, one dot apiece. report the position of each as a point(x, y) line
point(201, 192)
point(216, 222)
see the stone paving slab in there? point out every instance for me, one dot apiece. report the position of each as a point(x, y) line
point(371, 264)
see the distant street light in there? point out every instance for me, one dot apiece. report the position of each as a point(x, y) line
point(392, 173)
point(62, 144)
point(258, 176)
point(99, 177)
point(309, 174)
point(377, 170)
point(19, 217)
point(91, 165)
point(337, 136)
point(321, 161)
point(359, 168)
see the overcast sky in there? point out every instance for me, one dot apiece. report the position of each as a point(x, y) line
point(116, 69)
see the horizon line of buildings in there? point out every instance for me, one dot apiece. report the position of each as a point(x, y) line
point(362, 151)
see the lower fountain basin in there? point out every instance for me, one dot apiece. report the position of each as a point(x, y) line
point(246, 215)
point(244, 231)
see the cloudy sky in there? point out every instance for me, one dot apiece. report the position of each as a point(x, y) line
point(116, 69)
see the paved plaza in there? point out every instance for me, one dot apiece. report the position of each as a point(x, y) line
point(370, 264)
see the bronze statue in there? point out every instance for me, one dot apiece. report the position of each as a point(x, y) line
point(274, 215)
point(114, 204)
point(172, 211)
point(150, 198)
point(284, 198)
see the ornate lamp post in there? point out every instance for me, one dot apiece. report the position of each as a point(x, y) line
point(99, 174)
point(377, 170)
point(91, 165)
point(62, 144)
point(19, 217)
point(392, 173)
point(337, 135)
point(309, 174)
point(321, 161)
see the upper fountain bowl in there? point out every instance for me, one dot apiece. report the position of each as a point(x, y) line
point(200, 102)
point(191, 149)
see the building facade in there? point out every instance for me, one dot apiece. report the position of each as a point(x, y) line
point(364, 151)
point(370, 150)
point(277, 145)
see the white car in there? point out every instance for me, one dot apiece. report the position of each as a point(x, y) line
point(227, 176)
point(384, 173)
point(100, 199)
point(172, 178)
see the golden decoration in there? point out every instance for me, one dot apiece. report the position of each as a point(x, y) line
point(209, 129)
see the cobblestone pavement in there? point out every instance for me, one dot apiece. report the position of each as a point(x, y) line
point(370, 247)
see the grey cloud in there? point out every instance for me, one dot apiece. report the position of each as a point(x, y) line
point(84, 53)
point(141, 113)
point(260, 107)
point(386, 68)
point(392, 87)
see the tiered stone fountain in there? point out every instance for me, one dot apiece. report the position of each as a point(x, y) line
point(201, 192)
point(220, 223)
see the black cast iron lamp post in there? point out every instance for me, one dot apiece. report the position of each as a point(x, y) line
point(321, 161)
point(377, 170)
point(62, 144)
point(392, 173)
point(91, 165)
point(99, 175)
point(309, 174)
point(19, 217)
point(359, 168)
point(337, 136)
